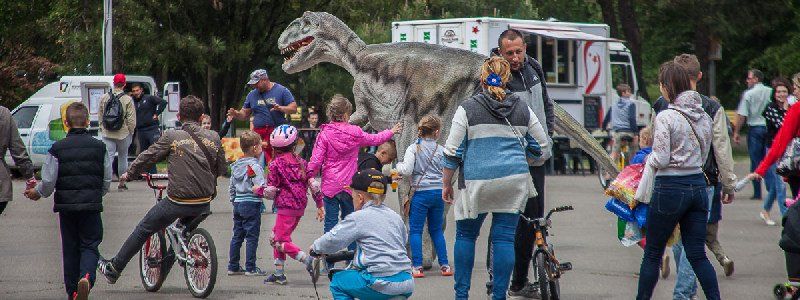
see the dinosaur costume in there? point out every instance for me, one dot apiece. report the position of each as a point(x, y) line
point(402, 82)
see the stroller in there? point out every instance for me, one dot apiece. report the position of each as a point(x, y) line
point(790, 243)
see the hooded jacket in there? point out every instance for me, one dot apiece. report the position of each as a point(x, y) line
point(287, 173)
point(246, 173)
point(336, 154)
point(676, 149)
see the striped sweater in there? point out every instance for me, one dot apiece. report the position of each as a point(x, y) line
point(494, 173)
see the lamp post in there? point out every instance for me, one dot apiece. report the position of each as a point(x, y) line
point(107, 38)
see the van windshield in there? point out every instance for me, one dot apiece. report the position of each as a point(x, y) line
point(24, 116)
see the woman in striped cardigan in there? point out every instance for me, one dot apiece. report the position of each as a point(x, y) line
point(493, 137)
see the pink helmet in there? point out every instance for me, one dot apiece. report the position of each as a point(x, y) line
point(283, 136)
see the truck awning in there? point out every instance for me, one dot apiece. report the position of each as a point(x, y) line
point(561, 33)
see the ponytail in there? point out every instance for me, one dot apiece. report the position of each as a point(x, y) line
point(495, 73)
point(428, 125)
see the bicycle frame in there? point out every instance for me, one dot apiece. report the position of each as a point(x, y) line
point(540, 227)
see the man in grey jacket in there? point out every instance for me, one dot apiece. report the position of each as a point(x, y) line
point(10, 141)
point(528, 82)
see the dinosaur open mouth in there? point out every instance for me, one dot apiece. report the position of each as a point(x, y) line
point(295, 47)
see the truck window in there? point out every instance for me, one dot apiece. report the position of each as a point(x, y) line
point(24, 116)
point(621, 73)
point(557, 58)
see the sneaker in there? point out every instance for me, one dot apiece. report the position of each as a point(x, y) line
point(122, 186)
point(529, 291)
point(277, 279)
point(83, 289)
point(239, 271)
point(765, 217)
point(446, 270)
point(665, 267)
point(727, 265)
point(107, 269)
point(416, 272)
point(255, 272)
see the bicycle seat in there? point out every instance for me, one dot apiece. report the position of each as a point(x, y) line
point(626, 139)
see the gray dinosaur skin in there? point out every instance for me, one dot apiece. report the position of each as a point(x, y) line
point(402, 82)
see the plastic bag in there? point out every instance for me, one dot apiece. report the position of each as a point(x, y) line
point(645, 189)
point(675, 237)
point(632, 234)
point(621, 209)
point(640, 214)
point(624, 186)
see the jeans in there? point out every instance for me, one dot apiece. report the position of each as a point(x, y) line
point(81, 234)
point(504, 226)
point(757, 151)
point(120, 148)
point(776, 190)
point(342, 204)
point(523, 242)
point(354, 284)
point(246, 226)
point(157, 218)
point(677, 200)
point(427, 205)
point(148, 137)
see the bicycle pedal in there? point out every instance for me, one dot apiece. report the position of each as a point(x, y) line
point(567, 266)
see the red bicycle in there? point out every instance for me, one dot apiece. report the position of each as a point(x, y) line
point(191, 246)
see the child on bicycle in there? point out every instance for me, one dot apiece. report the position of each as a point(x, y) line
point(336, 154)
point(622, 117)
point(246, 173)
point(288, 185)
point(79, 199)
point(380, 269)
point(423, 163)
point(195, 157)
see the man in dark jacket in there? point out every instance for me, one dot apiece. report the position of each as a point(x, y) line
point(10, 141)
point(148, 110)
point(528, 82)
point(78, 170)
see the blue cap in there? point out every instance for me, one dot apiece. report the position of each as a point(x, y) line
point(257, 75)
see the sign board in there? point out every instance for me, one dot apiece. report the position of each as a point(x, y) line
point(451, 35)
point(95, 95)
point(593, 55)
point(425, 34)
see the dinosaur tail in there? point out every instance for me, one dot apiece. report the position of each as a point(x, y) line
point(568, 126)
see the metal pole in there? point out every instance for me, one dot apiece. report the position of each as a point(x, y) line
point(107, 37)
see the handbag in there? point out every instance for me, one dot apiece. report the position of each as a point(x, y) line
point(645, 189)
point(413, 189)
point(789, 164)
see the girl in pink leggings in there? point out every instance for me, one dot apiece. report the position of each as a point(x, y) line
point(288, 182)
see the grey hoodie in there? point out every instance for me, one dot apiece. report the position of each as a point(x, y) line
point(676, 149)
point(242, 184)
point(423, 157)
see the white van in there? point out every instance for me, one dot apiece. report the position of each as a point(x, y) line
point(42, 111)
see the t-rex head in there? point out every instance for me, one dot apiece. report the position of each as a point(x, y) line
point(317, 37)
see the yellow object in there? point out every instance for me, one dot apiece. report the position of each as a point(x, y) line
point(233, 150)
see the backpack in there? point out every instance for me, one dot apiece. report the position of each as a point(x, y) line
point(113, 116)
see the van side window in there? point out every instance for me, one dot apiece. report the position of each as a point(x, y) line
point(24, 116)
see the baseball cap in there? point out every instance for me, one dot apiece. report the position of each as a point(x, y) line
point(364, 181)
point(119, 78)
point(257, 75)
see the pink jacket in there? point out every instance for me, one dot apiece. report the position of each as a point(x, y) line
point(336, 154)
point(286, 175)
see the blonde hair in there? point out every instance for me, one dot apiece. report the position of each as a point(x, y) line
point(205, 116)
point(796, 79)
point(248, 140)
point(390, 148)
point(428, 125)
point(646, 134)
point(338, 108)
point(499, 66)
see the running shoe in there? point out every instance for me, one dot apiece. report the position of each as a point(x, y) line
point(255, 272)
point(416, 272)
point(446, 270)
point(107, 269)
point(276, 279)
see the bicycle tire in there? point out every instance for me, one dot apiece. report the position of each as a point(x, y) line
point(200, 241)
point(604, 183)
point(152, 277)
point(540, 271)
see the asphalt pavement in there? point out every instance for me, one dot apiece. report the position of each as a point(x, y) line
point(30, 250)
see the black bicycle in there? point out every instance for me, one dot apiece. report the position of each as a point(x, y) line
point(546, 268)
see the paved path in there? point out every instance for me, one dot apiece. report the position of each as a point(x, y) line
point(30, 251)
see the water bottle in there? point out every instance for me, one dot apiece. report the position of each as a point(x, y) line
point(740, 184)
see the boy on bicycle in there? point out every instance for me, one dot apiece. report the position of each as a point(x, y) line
point(78, 171)
point(195, 157)
point(622, 117)
point(381, 268)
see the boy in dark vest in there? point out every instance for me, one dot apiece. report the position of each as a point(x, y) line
point(79, 171)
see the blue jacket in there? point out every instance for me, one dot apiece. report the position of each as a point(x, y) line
point(639, 157)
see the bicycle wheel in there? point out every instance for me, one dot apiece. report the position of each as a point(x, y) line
point(201, 266)
point(151, 258)
point(540, 271)
point(601, 175)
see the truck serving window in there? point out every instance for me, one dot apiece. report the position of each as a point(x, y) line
point(24, 116)
point(557, 58)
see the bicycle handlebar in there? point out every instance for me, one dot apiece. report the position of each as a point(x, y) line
point(150, 178)
point(335, 257)
point(557, 209)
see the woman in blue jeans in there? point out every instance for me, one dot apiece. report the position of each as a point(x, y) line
point(423, 163)
point(492, 138)
point(682, 139)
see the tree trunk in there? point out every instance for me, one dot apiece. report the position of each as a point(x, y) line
point(702, 46)
point(609, 16)
point(627, 18)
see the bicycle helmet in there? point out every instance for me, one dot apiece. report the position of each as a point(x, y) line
point(283, 136)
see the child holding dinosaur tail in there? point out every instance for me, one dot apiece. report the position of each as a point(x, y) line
point(336, 154)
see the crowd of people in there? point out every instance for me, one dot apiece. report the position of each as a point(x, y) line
point(499, 141)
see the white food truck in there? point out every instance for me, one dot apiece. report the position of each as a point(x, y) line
point(582, 64)
point(39, 117)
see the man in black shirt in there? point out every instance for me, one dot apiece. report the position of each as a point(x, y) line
point(148, 110)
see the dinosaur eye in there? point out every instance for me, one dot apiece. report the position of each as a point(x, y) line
point(306, 27)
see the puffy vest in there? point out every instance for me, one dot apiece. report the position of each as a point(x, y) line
point(81, 165)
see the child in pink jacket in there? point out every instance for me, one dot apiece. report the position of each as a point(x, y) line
point(336, 153)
